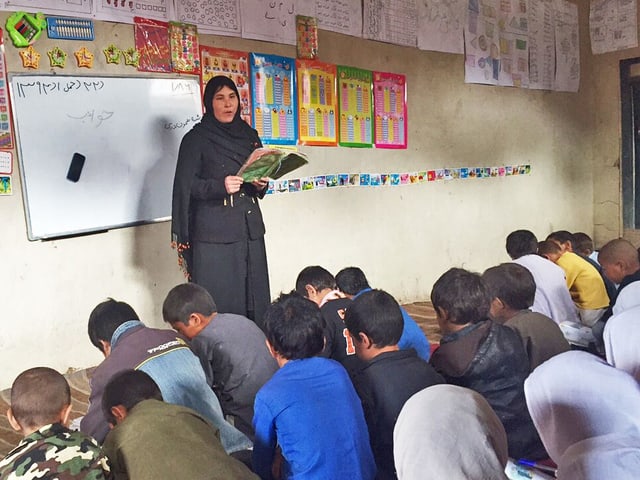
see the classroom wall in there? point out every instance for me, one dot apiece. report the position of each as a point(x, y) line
point(403, 237)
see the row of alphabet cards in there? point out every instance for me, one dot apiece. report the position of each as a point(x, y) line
point(319, 182)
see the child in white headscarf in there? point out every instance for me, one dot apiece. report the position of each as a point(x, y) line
point(585, 409)
point(621, 340)
point(449, 432)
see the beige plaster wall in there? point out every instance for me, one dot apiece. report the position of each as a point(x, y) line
point(403, 237)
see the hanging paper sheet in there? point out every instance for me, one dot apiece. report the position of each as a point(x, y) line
point(274, 103)
point(6, 133)
point(183, 41)
point(233, 64)
point(355, 109)
point(317, 102)
point(390, 108)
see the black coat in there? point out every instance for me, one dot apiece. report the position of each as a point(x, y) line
point(490, 359)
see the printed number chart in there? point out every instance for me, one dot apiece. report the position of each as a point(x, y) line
point(317, 102)
point(355, 107)
point(390, 106)
point(233, 64)
point(274, 102)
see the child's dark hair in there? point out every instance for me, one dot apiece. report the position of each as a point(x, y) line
point(351, 280)
point(583, 244)
point(562, 236)
point(106, 317)
point(186, 299)
point(318, 277)
point(513, 284)
point(128, 388)
point(294, 327)
point(38, 396)
point(377, 315)
point(520, 243)
point(463, 295)
point(548, 246)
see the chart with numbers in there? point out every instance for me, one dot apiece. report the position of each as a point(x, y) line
point(317, 102)
point(273, 84)
point(355, 107)
point(390, 107)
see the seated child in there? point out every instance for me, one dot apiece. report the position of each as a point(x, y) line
point(585, 283)
point(391, 376)
point(309, 410)
point(231, 348)
point(512, 288)
point(583, 245)
point(40, 408)
point(552, 294)
point(154, 440)
point(352, 282)
point(484, 356)
point(318, 285)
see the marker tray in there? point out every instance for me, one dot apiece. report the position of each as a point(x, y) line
point(70, 28)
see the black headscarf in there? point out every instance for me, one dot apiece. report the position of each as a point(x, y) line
point(234, 140)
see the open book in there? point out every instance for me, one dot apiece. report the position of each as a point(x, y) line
point(270, 162)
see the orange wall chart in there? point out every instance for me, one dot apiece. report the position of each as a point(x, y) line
point(233, 64)
point(317, 102)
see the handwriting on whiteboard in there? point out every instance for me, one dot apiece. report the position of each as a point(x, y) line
point(47, 88)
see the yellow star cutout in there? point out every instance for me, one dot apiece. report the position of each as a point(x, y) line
point(30, 58)
point(57, 57)
point(84, 57)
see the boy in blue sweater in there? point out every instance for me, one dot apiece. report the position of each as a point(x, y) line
point(308, 419)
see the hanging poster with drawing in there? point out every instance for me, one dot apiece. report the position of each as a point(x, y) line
point(613, 25)
point(233, 64)
point(514, 51)
point(441, 23)
point(317, 103)
point(481, 38)
point(355, 107)
point(390, 108)
point(273, 86)
point(221, 17)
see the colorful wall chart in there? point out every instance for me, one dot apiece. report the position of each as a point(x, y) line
point(390, 107)
point(317, 103)
point(355, 109)
point(273, 84)
point(233, 64)
point(6, 133)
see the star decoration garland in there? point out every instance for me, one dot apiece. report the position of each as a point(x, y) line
point(30, 58)
point(84, 57)
point(57, 57)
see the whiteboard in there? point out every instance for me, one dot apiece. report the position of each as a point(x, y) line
point(129, 131)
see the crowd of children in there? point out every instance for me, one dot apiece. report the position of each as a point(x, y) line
point(339, 382)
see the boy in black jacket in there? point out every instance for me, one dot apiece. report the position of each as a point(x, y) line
point(484, 356)
point(390, 376)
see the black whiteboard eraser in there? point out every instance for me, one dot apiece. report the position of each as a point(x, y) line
point(75, 167)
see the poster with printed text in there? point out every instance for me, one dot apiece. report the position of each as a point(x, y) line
point(233, 64)
point(355, 107)
point(221, 17)
point(273, 86)
point(390, 108)
point(567, 47)
point(125, 10)
point(613, 25)
point(317, 103)
point(6, 132)
point(542, 45)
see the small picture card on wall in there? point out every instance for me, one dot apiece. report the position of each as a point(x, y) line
point(6, 162)
point(355, 107)
point(233, 64)
point(390, 107)
point(273, 87)
point(6, 187)
point(317, 103)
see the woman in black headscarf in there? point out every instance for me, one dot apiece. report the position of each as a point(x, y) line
point(216, 224)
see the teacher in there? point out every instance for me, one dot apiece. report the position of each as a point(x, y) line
point(216, 224)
